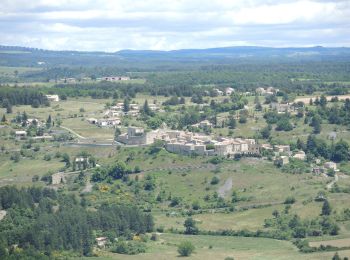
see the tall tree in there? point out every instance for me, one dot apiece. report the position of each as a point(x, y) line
point(326, 208)
point(126, 106)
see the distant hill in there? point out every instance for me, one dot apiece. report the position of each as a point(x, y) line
point(22, 56)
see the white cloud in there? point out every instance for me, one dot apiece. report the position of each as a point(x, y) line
point(159, 24)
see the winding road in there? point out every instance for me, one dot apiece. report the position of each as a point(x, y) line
point(330, 185)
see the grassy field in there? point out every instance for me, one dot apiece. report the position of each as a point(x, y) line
point(10, 71)
point(215, 247)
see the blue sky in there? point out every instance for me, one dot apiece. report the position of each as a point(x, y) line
point(111, 25)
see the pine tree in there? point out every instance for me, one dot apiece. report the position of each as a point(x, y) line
point(3, 119)
point(117, 133)
point(9, 109)
point(146, 109)
point(326, 208)
point(232, 122)
point(126, 107)
point(49, 122)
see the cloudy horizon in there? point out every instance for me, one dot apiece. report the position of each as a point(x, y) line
point(106, 25)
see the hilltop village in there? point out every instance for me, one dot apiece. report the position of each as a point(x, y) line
point(241, 161)
point(188, 142)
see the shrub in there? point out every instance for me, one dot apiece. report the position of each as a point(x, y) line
point(129, 248)
point(154, 237)
point(214, 180)
point(47, 157)
point(185, 248)
point(289, 200)
point(15, 157)
point(35, 178)
point(175, 201)
point(216, 160)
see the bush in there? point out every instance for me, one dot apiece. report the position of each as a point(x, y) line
point(175, 201)
point(47, 157)
point(216, 160)
point(15, 157)
point(289, 200)
point(214, 180)
point(129, 248)
point(35, 178)
point(154, 237)
point(185, 248)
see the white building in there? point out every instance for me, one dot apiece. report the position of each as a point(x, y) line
point(108, 122)
point(57, 178)
point(281, 108)
point(229, 91)
point(115, 78)
point(53, 98)
point(101, 241)
point(300, 155)
point(218, 91)
point(20, 135)
point(205, 124)
point(331, 166)
point(282, 148)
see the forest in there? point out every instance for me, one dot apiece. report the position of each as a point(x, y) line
point(44, 220)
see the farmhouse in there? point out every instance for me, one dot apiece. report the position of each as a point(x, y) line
point(114, 78)
point(53, 98)
point(218, 91)
point(57, 178)
point(92, 120)
point(118, 110)
point(282, 148)
point(101, 241)
point(229, 91)
point(281, 160)
point(153, 107)
point(205, 124)
point(267, 91)
point(20, 135)
point(281, 108)
point(112, 113)
point(33, 121)
point(108, 122)
point(300, 155)
point(43, 137)
point(318, 170)
point(81, 162)
point(67, 80)
point(331, 166)
point(137, 136)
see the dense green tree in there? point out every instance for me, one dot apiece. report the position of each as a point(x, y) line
point(340, 151)
point(284, 125)
point(326, 208)
point(117, 132)
point(49, 122)
point(190, 227)
point(126, 106)
point(232, 122)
